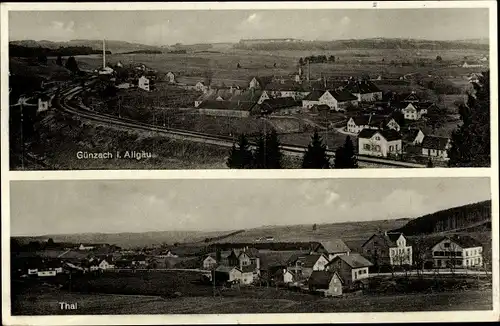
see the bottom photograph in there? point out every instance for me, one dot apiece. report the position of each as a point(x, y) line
point(222, 246)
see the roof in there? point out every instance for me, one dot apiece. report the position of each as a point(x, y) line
point(342, 95)
point(335, 246)
point(307, 261)
point(354, 260)
point(263, 80)
point(388, 134)
point(226, 269)
point(361, 87)
point(435, 142)
point(226, 105)
point(279, 103)
point(314, 95)
point(248, 268)
point(321, 279)
point(423, 105)
point(410, 134)
point(371, 120)
point(465, 241)
point(287, 85)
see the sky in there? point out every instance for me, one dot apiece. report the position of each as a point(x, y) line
point(164, 27)
point(112, 206)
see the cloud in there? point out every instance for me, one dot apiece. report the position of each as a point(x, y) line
point(331, 197)
point(345, 21)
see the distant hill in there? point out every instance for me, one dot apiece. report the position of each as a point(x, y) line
point(111, 45)
point(378, 43)
point(463, 218)
point(130, 239)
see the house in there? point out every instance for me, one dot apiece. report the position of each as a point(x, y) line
point(105, 71)
point(283, 276)
point(371, 121)
point(436, 147)
point(247, 274)
point(124, 86)
point(467, 65)
point(364, 90)
point(105, 265)
point(245, 257)
point(415, 111)
point(351, 268)
point(227, 274)
point(209, 262)
point(286, 88)
point(402, 253)
point(85, 247)
point(170, 77)
point(413, 136)
point(43, 103)
point(280, 105)
point(337, 100)
point(457, 251)
point(143, 83)
point(379, 142)
point(331, 248)
point(303, 266)
point(327, 282)
point(226, 108)
point(201, 87)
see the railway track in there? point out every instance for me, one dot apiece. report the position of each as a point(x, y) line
point(61, 101)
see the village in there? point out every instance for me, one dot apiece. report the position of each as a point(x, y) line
point(329, 268)
point(387, 121)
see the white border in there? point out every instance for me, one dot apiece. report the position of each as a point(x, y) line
point(226, 174)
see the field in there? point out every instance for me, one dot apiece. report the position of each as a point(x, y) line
point(42, 300)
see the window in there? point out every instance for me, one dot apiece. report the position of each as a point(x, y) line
point(377, 138)
point(447, 245)
point(366, 147)
point(391, 148)
point(377, 148)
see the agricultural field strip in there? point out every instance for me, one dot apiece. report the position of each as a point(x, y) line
point(197, 136)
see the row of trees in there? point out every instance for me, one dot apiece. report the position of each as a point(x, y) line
point(316, 59)
point(25, 51)
point(268, 155)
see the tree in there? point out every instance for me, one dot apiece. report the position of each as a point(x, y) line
point(439, 59)
point(71, 65)
point(345, 156)
point(59, 61)
point(238, 65)
point(430, 164)
point(470, 142)
point(268, 153)
point(331, 58)
point(315, 156)
point(42, 58)
point(301, 62)
point(315, 227)
point(241, 156)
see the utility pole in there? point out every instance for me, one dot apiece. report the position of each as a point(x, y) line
point(22, 134)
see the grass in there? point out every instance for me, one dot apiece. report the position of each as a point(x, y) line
point(264, 300)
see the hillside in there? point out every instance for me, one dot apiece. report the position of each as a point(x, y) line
point(454, 219)
point(111, 45)
point(379, 43)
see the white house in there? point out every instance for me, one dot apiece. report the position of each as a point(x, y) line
point(254, 83)
point(143, 83)
point(401, 253)
point(170, 77)
point(336, 99)
point(104, 265)
point(457, 251)
point(43, 103)
point(264, 96)
point(436, 147)
point(413, 136)
point(123, 86)
point(201, 87)
point(209, 262)
point(351, 268)
point(467, 65)
point(364, 90)
point(304, 265)
point(83, 247)
point(379, 142)
point(372, 121)
point(415, 111)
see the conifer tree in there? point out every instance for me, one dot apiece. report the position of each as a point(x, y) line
point(241, 156)
point(315, 156)
point(268, 153)
point(345, 156)
point(470, 142)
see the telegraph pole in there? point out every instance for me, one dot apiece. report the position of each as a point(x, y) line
point(22, 135)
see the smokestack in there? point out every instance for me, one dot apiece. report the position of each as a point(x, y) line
point(103, 54)
point(308, 70)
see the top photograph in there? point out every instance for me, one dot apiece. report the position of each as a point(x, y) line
point(249, 89)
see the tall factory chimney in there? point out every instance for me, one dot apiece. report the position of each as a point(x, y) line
point(308, 70)
point(103, 54)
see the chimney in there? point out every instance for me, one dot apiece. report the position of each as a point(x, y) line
point(103, 54)
point(308, 70)
point(385, 233)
